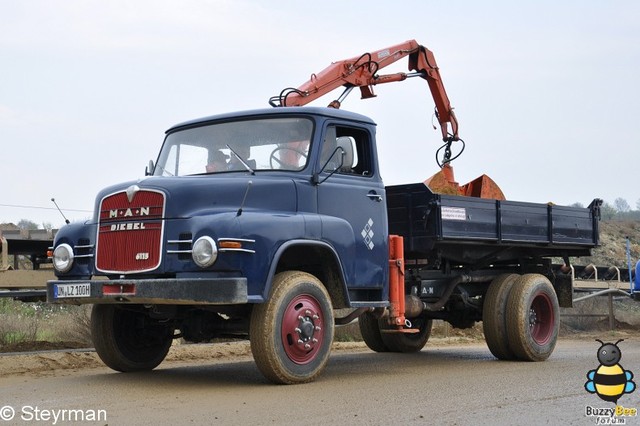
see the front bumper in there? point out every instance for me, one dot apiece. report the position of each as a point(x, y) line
point(165, 291)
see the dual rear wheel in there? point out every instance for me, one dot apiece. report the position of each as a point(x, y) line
point(520, 321)
point(521, 317)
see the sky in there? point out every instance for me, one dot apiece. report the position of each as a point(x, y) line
point(546, 92)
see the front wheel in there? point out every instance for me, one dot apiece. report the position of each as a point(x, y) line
point(533, 318)
point(128, 340)
point(291, 334)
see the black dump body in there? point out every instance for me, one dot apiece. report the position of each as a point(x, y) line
point(477, 232)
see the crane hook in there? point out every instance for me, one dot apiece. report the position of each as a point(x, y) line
point(447, 152)
point(448, 156)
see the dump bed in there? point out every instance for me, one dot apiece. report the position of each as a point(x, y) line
point(474, 231)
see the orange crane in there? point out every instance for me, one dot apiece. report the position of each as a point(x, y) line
point(362, 72)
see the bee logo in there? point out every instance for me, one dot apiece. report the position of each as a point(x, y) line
point(609, 381)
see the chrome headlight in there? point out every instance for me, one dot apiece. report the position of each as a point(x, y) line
point(63, 258)
point(204, 252)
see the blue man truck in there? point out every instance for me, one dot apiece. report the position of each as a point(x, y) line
point(260, 224)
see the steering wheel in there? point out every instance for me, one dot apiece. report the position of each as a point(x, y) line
point(282, 164)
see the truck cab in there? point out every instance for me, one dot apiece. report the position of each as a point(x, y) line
point(231, 202)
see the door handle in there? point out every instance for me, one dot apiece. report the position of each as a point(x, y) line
point(374, 196)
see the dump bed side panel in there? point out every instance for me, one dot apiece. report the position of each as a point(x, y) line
point(472, 228)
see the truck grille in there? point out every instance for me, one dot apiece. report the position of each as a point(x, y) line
point(130, 231)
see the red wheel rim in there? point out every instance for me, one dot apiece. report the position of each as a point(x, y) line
point(541, 319)
point(301, 331)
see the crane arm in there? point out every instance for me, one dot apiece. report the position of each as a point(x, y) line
point(362, 72)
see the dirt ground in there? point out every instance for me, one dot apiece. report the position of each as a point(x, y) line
point(25, 278)
point(43, 363)
point(46, 362)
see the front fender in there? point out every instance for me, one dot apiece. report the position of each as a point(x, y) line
point(81, 237)
point(336, 286)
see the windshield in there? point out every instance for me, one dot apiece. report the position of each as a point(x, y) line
point(261, 144)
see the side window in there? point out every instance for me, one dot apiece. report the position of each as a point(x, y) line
point(356, 145)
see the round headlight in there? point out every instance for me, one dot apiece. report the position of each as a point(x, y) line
point(204, 252)
point(63, 258)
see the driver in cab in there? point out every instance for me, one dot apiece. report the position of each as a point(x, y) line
point(217, 161)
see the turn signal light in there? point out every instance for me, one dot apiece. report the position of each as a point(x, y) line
point(230, 244)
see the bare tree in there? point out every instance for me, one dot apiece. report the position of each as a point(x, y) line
point(28, 225)
point(621, 205)
point(607, 211)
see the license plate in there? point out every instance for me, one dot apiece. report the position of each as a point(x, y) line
point(60, 291)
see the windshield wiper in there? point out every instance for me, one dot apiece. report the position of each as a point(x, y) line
point(244, 163)
point(163, 170)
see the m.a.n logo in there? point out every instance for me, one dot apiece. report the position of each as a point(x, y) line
point(136, 212)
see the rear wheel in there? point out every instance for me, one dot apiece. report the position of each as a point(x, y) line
point(409, 342)
point(370, 329)
point(533, 318)
point(128, 340)
point(291, 334)
point(494, 323)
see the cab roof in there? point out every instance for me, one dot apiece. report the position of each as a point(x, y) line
point(264, 112)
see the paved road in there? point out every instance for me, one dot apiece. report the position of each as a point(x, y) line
point(445, 385)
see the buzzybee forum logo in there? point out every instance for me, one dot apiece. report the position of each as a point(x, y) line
point(610, 381)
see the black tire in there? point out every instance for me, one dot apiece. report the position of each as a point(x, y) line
point(370, 330)
point(408, 342)
point(126, 340)
point(533, 318)
point(291, 334)
point(494, 319)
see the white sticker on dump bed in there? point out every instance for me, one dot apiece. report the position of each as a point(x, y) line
point(453, 213)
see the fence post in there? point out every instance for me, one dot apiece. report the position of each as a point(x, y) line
point(4, 254)
point(612, 318)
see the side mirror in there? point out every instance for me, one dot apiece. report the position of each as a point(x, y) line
point(330, 166)
point(148, 171)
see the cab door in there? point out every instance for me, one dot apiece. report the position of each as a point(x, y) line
point(352, 207)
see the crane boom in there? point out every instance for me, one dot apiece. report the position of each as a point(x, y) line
point(361, 71)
